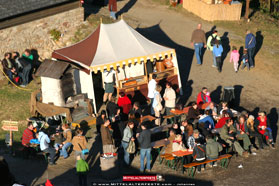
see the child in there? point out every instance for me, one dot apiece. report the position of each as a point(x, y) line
point(234, 58)
point(82, 169)
point(199, 154)
point(79, 143)
point(207, 97)
point(217, 51)
point(244, 59)
point(212, 149)
point(58, 138)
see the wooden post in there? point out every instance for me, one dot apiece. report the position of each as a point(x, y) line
point(117, 82)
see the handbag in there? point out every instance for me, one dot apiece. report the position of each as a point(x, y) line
point(84, 151)
point(131, 149)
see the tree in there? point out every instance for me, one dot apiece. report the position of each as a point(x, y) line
point(247, 9)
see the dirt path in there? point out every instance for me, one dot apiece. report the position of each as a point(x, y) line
point(257, 88)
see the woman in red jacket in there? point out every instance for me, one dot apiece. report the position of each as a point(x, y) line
point(124, 102)
point(264, 128)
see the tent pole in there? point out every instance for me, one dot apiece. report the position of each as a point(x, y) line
point(145, 69)
point(94, 98)
point(117, 82)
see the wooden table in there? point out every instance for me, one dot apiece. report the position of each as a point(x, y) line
point(178, 113)
point(147, 118)
point(158, 144)
point(180, 155)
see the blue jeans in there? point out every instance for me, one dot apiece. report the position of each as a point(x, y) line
point(143, 153)
point(268, 133)
point(10, 75)
point(251, 52)
point(25, 74)
point(63, 151)
point(126, 154)
point(212, 163)
point(214, 59)
point(198, 50)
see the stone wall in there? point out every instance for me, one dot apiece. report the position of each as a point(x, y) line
point(213, 12)
point(35, 34)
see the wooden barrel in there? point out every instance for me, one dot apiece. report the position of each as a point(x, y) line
point(160, 66)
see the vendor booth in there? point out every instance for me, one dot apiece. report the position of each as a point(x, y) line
point(119, 47)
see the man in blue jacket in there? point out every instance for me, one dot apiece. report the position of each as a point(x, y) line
point(250, 44)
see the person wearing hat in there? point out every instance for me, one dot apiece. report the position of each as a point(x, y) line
point(252, 130)
point(211, 42)
point(191, 139)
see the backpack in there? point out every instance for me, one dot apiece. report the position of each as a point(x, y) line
point(213, 40)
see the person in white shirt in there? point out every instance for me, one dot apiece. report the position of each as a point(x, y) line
point(169, 97)
point(109, 79)
point(151, 90)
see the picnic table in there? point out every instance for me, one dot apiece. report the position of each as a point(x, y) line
point(178, 113)
point(147, 118)
point(158, 144)
point(180, 155)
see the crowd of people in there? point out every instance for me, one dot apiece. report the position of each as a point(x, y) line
point(208, 130)
point(214, 45)
point(19, 69)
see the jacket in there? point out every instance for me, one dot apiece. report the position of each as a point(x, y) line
point(127, 134)
point(44, 141)
point(144, 139)
point(82, 166)
point(125, 103)
point(245, 58)
point(201, 98)
point(106, 135)
point(217, 50)
point(221, 122)
point(260, 124)
point(198, 36)
point(79, 143)
point(193, 113)
point(67, 135)
point(58, 139)
point(209, 47)
point(213, 148)
point(191, 141)
point(7, 64)
point(207, 120)
point(157, 99)
point(199, 152)
point(224, 133)
point(170, 94)
point(250, 41)
point(234, 56)
point(168, 149)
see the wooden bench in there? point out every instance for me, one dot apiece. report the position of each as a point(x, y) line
point(223, 158)
point(169, 159)
point(168, 116)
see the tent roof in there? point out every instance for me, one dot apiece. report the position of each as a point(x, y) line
point(112, 45)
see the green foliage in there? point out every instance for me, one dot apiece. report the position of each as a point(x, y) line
point(55, 34)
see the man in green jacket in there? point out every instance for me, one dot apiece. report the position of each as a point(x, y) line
point(210, 43)
point(227, 134)
point(212, 150)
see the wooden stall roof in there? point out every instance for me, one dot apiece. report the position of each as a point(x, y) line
point(52, 69)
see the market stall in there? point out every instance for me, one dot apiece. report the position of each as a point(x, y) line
point(119, 47)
